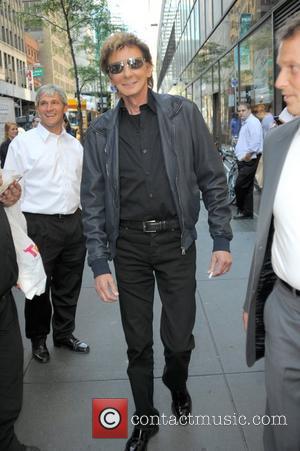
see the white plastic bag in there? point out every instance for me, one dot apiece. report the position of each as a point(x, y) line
point(32, 277)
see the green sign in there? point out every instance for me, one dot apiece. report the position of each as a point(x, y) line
point(38, 72)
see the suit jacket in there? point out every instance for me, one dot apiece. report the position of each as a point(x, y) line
point(262, 277)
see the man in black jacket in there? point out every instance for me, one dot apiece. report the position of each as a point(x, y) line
point(11, 348)
point(144, 166)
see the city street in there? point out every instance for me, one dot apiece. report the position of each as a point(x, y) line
point(57, 409)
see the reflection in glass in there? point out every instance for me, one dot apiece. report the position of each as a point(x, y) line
point(256, 66)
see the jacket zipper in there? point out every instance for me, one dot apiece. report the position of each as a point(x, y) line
point(178, 193)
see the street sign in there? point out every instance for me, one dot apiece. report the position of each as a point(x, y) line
point(234, 82)
point(38, 72)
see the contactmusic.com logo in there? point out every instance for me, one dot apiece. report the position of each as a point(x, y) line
point(110, 418)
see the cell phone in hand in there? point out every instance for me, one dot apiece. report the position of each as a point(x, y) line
point(6, 184)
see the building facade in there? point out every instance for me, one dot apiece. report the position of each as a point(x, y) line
point(33, 60)
point(13, 64)
point(220, 52)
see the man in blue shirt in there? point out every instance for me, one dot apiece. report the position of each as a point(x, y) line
point(248, 151)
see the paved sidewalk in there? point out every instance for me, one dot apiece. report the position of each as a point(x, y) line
point(57, 409)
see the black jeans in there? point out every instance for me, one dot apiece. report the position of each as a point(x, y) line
point(11, 373)
point(141, 258)
point(62, 247)
point(244, 185)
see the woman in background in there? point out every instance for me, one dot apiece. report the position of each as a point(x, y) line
point(11, 131)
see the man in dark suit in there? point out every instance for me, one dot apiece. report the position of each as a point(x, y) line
point(11, 348)
point(272, 307)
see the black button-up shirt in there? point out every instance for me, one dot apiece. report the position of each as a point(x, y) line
point(144, 187)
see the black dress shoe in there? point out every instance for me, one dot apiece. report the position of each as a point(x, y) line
point(39, 350)
point(139, 438)
point(72, 343)
point(181, 404)
point(241, 215)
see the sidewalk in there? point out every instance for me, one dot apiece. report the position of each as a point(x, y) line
point(57, 408)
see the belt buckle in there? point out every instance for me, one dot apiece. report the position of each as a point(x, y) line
point(148, 224)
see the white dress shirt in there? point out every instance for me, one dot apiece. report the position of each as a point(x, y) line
point(51, 166)
point(286, 241)
point(250, 138)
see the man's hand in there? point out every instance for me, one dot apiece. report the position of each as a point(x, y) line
point(247, 157)
point(106, 288)
point(220, 263)
point(245, 320)
point(11, 195)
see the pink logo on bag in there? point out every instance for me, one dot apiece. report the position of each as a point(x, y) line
point(32, 249)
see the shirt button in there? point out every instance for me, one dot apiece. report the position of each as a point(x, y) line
point(144, 151)
point(151, 195)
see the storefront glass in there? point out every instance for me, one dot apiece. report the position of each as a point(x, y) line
point(228, 93)
point(256, 67)
point(207, 99)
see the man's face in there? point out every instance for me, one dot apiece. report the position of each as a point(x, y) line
point(243, 112)
point(130, 82)
point(51, 111)
point(288, 79)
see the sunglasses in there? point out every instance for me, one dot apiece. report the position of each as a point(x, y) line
point(134, 63)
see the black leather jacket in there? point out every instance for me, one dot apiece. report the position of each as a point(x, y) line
point(192, 164)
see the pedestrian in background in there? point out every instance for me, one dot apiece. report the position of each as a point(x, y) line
point(235, 125)
point(145, 163)
point(50, 161)
point(272, 307)
point(10, 132)
point(11, 347)
point(248, 151)
point(35, 122)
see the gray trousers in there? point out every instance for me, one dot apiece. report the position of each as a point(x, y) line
point(282, 370)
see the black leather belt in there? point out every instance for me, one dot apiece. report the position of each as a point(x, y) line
point(55, 215)
point(291, 289)
point(151, 226)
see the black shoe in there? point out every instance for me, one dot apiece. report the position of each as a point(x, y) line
point(39, 350)
point(241, 215)
point(181, 404)
point(139, 438)
point(72, 343)
point(32, 448)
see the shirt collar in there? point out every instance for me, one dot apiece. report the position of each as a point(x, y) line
point(150, 103)
point(44, 133)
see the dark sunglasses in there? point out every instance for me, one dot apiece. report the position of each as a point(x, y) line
point(134, 63)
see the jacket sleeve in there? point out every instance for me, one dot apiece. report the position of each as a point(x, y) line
point(212, 183)
point(93, 202)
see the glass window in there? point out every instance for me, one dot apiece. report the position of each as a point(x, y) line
point(202, 21)
point(207, 99)
point(208, 16)
point(217, 11)
point(226, 5)
point(197, 93)
point(189, 92)
point(256, 66)
point(228, 93)
point(196, 13)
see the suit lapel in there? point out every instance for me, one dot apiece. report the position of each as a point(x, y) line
point(274, 159)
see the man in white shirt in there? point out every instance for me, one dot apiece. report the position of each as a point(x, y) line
point(50, 161)
point(248, 151)
point(272, 307)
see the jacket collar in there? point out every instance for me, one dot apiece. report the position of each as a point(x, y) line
point(168, 104)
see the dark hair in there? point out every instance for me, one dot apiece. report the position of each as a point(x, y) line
point(246, 104)
point(118, 41)
point(289, 29)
